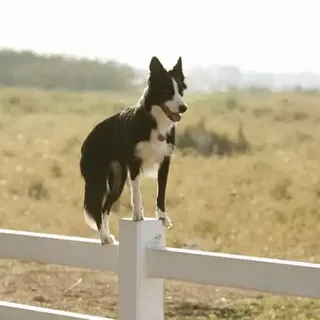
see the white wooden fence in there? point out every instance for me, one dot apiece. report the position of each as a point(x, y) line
point(143, 262)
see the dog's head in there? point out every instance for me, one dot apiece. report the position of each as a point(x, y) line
point(165, 89)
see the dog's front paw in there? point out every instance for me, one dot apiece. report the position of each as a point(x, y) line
point(137, 216)
point(166, 221)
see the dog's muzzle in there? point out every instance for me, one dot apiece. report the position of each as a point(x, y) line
point(174, 116)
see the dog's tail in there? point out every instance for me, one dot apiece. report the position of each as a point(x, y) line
point(89, 220)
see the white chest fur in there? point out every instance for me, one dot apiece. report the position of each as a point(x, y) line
point(152, 153)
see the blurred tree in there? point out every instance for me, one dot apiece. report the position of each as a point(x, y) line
point(29, 69)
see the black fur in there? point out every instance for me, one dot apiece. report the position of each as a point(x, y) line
point(108, 152)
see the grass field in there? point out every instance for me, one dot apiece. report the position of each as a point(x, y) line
point(263, 202)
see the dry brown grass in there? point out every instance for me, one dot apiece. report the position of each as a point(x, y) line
point(263, 203)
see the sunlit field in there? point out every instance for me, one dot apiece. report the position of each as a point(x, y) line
point(253, 188)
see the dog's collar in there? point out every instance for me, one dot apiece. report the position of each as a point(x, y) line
point(161, 137)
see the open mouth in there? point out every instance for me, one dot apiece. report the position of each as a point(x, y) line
point(173, 116)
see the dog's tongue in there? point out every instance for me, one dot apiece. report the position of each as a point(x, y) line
point(176, 117)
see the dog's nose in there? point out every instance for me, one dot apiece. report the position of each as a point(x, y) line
point(182, 108)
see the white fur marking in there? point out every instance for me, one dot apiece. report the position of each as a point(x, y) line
point(105, 236)
point(90, 221)
point(177, 99)
point(164, 124)
point(164, 217)
point(152, 152)
point(136, 200)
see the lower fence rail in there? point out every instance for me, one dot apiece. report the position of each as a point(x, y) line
point(17, 311)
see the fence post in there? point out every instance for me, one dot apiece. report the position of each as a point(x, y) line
point(140, 297)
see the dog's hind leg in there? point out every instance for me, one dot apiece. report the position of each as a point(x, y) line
point(94, 217)
point(117, 176)
point(105, 236)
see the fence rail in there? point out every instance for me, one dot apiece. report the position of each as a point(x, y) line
point(142, 262)
point(57, 249)
point(12, 311)
point(275, 276)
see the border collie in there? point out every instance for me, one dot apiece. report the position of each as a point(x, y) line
point(139, 139)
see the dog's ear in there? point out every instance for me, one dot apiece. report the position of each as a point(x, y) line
point(155, 66)
point(177, 69)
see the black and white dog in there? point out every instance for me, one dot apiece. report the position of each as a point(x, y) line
point(140, 139)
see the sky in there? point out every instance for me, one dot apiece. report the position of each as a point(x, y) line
point(260, 35)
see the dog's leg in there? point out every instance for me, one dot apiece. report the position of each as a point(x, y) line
point(116, 180)
point(162, 184)
point(105, 236)
point(136, 199)
point(95, 218)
